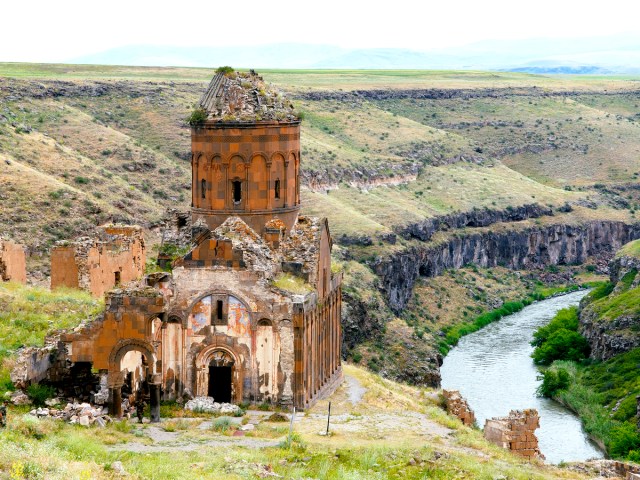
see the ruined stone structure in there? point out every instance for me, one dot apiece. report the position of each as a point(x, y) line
point(515, 432)
point(252, 312)
point(12, 262)
point(115, 257)
point(456, 405)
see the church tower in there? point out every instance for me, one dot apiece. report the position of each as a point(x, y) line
point(245, 145)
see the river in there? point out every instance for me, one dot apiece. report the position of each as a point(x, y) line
point(493, 370)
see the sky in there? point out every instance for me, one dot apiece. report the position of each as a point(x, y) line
point(59, 31)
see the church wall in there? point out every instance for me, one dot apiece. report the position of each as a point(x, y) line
point(13, 265)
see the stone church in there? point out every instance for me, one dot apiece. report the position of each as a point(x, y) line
point(252, 312)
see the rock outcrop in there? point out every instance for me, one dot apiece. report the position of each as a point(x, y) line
point(611, 323)
point(528, 248)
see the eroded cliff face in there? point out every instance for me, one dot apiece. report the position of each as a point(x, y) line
point(529, 248)
point(611, 329)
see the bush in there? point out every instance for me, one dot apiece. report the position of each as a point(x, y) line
point(225, 69)
point(561, 345)
point(566, 318)
point(623, 439)
point(197, 117)
point(553, 381)
point(600, 292)
point(39, 393)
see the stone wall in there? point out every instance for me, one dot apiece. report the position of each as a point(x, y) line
point(12, 262)
point(116, 256)
point(456, 405)
point(515, 432)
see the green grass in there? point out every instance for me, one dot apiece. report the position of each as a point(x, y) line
point(631, 249)
point(27, 314)
point(604, 396)
point(291, 283)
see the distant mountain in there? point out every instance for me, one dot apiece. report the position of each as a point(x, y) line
point(590, 55)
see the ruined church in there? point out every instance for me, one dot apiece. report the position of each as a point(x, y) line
point(252, 312)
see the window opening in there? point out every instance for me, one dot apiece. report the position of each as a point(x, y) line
point(276, 188)
point(203, 188)
point(117, 277)
point(237, 191)
point(219, 310)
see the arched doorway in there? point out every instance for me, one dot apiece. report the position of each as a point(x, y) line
point(221, 366)
point(219, 374)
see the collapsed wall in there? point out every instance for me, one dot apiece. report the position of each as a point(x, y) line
point(456, 405)
point(13, 266)
point(515, 432)
point(117, 255)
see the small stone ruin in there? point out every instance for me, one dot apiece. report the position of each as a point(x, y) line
point(457, 406)
point(515, 432)
point(208, 405)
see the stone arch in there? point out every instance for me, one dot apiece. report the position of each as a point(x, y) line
point(209, 293)
point(125, 346)
point(277, 172)
point(265, 322)
point(219, 356)
point(258, 185)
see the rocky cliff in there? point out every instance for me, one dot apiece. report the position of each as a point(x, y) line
point(528, 248)
point(610, 316)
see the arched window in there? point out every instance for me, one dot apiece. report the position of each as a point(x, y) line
point(276, 188)
point(236, 187)
point(203, 188)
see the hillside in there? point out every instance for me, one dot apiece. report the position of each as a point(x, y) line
point(418, 172)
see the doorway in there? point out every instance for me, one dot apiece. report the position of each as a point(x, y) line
point(220, 383)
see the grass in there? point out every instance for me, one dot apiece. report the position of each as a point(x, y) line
point(631, 249)
point(603, 394)
point(27, 314)
point(291, 283)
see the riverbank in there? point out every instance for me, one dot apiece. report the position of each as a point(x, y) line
point(493, 370)
point(603, 394)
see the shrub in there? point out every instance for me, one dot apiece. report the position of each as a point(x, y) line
point(39, 393)
point(562, 345)
point(553, 381)
point(197, 117)
point(221, 424)
point(225, 69)
point(623, 439)
point(81, 180)
point(559, 339)
point(566, 318)
point(601, 291)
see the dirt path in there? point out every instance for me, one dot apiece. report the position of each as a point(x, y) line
point(356, 390)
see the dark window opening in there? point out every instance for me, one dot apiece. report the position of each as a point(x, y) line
point(237, 191)
point(276, 188)
point(117, 277)
point(182, 222)
point(219, 310)
point(220, 384)
point(203, 188)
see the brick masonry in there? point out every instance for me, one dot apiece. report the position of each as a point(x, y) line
point(12, 262)
point(456, 405)
point(515, 432)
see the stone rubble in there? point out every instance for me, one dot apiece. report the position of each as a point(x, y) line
point(208, 405)
point(81, 413)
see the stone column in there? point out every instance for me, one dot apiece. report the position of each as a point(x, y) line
point(115, 407)
point(154, 397)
